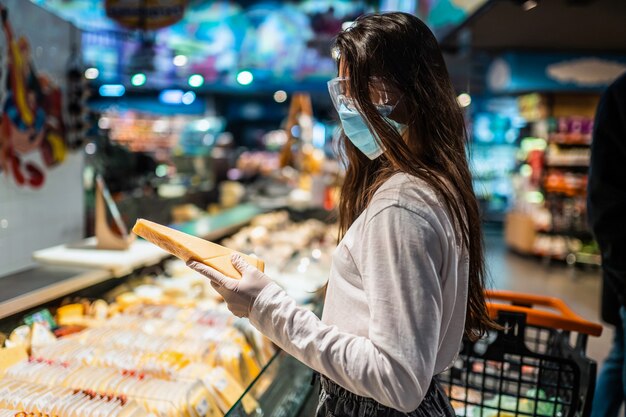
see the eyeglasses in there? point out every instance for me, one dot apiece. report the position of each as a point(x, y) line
point(383, 96)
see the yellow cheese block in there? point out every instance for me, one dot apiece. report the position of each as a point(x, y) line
point(187, 247)
point(70, 314)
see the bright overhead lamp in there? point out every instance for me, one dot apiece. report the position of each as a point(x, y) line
point(195, 80)
point(188, 98)
point(138, 79)
point(529, 5)
point(171, 96)
point(245, 77)
point(112, 90)
point(464, 99)
point(280, 96)
point(180, 60)
point(92, 73)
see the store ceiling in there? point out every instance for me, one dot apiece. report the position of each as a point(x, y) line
point(554, 25)
point(283, 44)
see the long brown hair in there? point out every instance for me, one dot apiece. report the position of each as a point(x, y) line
point(400, 49)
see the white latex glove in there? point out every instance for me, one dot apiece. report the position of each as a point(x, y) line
point(238, 294)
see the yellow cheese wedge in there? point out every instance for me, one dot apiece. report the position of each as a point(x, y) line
point(70, 314)
point(187, 247)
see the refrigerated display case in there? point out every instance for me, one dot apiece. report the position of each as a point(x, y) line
point(160, 335)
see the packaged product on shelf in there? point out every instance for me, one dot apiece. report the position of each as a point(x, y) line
point(557, 156)
point(28, 397)
point(159, 396)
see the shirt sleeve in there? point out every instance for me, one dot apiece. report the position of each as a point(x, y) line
point(399, 259)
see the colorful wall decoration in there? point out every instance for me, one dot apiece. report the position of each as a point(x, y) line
point(32, 113)
point(41, 192)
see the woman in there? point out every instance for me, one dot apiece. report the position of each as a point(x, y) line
point(407, 277)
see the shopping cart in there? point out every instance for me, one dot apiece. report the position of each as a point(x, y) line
point(536, 366)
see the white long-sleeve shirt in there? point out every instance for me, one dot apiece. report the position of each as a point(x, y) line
point(394, 312)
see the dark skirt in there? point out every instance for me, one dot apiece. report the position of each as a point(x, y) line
point(336, 401)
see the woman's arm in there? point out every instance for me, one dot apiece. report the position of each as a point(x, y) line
point(399, 258)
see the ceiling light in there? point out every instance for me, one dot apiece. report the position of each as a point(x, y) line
point(112, 90)
point(180, 60)
point(196, 80)
point(464, 99)
point(92, 73)
point(104, 123)
point(188, 98)
point(171, 96)
point(529, 5)
point(280, 96)
point(138, 79)
point(203, 125)
point(90, 148)
point(245, 77)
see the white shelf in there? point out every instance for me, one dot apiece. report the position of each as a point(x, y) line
point(119, 263)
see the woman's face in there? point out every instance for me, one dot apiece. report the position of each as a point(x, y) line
point(380, 94)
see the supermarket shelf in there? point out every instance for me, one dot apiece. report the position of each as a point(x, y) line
point(588, 258)
point(119, 263)
point(213, 227)
point(562, 194)
point(570, 144)
point(579, 234)
point(577, 166)
point(33, 287)
point(570, 139)
point(572, 259)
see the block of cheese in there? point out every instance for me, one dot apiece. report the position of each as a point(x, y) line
point(187, 247)
point(70, 314)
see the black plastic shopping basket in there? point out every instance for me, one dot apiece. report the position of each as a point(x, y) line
point(536, 366)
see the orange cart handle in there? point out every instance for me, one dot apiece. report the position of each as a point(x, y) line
point(561, 318)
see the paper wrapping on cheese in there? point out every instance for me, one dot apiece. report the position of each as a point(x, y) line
point(187, 247)
point(11, 356)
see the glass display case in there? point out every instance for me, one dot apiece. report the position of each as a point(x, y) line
point(281, 389)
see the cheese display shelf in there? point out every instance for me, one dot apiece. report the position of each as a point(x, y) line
point(161, 342)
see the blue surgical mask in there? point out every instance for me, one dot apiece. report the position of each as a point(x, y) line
point(360, 135)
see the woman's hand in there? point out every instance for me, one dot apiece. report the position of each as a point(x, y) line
point(238, 294)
